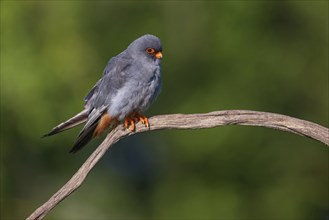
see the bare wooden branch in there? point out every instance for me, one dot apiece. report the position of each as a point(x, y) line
point(186, 121)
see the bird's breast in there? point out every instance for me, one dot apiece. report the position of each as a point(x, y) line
point(137, 94)
point(150, 90)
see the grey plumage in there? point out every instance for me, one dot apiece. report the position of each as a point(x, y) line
point(131, 82)
point(86, 134)
point(129, 78)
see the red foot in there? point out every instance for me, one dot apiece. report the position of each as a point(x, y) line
point(135, 118)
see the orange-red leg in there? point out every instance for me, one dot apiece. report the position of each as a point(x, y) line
point(134, 118)
point(144, 120)
point(130, 123)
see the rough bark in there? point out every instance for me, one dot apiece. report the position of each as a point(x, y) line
point(186, 121)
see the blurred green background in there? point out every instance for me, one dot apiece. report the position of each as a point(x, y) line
point(257, 55)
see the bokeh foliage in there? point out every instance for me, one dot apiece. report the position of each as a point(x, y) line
point(257, 55)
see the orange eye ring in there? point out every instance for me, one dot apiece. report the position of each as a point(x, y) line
point(150, 50)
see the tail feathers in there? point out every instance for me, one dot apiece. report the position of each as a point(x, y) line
point(83, 139)
point(70, 123)
point(97, 123)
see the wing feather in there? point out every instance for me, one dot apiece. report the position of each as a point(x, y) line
point(99, 98)
point(86, 134)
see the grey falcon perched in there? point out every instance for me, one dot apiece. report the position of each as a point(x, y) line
point(130, 83)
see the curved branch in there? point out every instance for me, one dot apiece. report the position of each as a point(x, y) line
point(186, 121)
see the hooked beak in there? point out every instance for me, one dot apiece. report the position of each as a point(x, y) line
point(158, 55)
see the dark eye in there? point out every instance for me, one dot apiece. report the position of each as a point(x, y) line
point(150, 50)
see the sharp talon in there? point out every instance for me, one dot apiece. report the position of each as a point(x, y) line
point(130, 124)
point(147, 124)
point(127, 122)
point(131, 120)
point(132, 127)
point(144, 120)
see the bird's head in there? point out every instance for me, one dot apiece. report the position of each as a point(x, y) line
point(147, 47)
